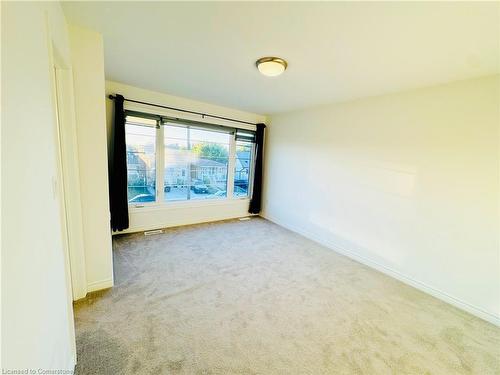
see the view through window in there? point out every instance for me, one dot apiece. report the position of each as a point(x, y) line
point(141, 160)
point(194, 162)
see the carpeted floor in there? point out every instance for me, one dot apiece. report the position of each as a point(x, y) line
point(249, 297)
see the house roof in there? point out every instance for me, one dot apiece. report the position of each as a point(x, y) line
point(242, 159)
point(208, 163)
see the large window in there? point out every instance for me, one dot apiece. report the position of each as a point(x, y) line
point(193, 161)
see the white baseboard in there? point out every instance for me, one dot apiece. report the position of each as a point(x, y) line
point(72, 364)
point(474, 310)
point(205, 220)
point(99, 285)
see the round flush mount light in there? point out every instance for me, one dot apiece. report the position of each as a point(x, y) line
point(271, 66)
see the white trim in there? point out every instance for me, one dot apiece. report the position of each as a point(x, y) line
point(160, 165)
point(99, 285)
point(71, 180)
point(63, 113)
point(230, 167)
point(71, 366)
point(186, 213)
point(144, 228)
point(193, 203)
point(474, 310)
point(251, 171)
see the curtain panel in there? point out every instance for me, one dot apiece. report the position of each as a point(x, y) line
point(118, 170)
point(255, 202)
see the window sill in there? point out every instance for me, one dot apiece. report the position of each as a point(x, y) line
point(187, 204)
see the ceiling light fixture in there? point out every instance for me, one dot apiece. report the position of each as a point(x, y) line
point(271, 66)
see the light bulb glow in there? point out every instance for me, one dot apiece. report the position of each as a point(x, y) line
point(271, 66)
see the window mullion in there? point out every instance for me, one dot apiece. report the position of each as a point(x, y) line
point(190, 166)
point(251, 170)
point(160, 167)
point(230, 166)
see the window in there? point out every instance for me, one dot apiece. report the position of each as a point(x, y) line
point(141, 160)
point(242, 168)
point(194, 161)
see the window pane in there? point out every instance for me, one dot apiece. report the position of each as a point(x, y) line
point(242, 168)
point(195, 163)
point(210, 152)
point(141, 172)
point(176, 163)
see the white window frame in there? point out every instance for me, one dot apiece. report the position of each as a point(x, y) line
point(147, 204)
point(251, 171)
point(160, 201)
point(160, 169)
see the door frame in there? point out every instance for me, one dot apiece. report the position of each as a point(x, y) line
point(70, 178)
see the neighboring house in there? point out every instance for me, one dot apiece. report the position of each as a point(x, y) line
point(141, 173)
point(209, 170)
point(242, 166)
point(136, 168)
point(176, 166)
point(179, 162)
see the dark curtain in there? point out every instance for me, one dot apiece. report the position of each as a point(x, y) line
point(118, 170)
point(257, 177)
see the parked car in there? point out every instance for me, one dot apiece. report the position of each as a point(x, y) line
point(241, 183)
point(142, 198)
point(199, 187)
point(239, 192)
point(167, 188)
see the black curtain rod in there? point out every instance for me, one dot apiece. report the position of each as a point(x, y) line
point(112, 97)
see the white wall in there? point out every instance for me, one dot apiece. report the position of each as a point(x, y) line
point(407, 183)
point(181, 213)
point(88, 75)
point(37, 323)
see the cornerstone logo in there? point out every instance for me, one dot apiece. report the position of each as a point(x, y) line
point(38, 371)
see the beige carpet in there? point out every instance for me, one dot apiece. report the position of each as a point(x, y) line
point(249, 297)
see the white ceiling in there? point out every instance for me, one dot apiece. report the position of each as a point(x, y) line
point(336, 51)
